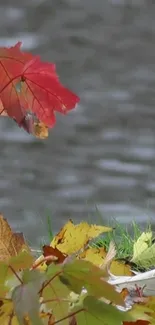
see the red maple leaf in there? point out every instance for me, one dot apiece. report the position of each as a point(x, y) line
point(29, 85)
point(12, 61)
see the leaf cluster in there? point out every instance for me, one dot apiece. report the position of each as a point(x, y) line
point(68, 284)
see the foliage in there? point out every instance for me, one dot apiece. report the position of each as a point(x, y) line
point(30, 91)
point(70, 283)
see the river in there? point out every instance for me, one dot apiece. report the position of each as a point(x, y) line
point(102, 153)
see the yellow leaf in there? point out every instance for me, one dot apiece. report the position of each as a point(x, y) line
point(7, 313)
point(10, 243)
point(72, 238)
point(94, 255)
point(120, 269)
point(142, 243)
point(140, 312)
point(97, 257)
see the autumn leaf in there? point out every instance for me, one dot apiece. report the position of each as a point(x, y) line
point(44, 92)
point(141, 313)
point(10, 243)
point(72, 238)
point(29, 85)
point(7, 313)
point(14, 255)
point(50, 251)
point(12, 61)
point(40, 130)
point(80, 274)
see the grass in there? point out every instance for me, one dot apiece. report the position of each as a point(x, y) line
point(122, 238)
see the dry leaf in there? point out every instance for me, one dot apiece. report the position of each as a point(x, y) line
point(72, 238)
point(10, 243)
point(109, 257)
point(40, 130)
point(50, 251)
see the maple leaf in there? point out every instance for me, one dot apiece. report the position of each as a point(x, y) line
point(80, 274)
point(72, 238)
point(29, 85)
point(56, 294)
point(43, 91)
point(12, 61)
point(90, 311)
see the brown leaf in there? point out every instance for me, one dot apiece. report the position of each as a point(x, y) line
point(10, 243)
point(50, 251)
point(40, 130)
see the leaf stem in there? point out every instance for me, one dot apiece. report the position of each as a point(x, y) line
point(45, 259)
point(48, 282)
point(17, 276)
point(56, 299)
point(68, 316)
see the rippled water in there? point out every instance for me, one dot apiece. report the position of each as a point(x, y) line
point(103, 153)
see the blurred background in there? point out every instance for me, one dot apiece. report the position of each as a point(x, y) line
point(103, 153)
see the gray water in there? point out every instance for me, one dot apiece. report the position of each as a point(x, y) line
point(102, 153)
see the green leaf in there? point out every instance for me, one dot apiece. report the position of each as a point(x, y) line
point(22, 261)
point(143, 250)
point(96, 312)
point(26, 299)
point(26, 303)
point(56, 293)
point(80, 274)
point(7, 278)
point(33, 276)
point(3, 275)
point(142, 312)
